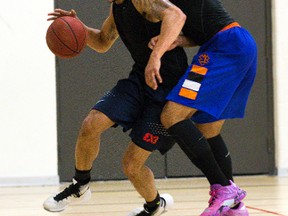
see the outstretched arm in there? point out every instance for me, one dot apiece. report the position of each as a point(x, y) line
point(99, 40)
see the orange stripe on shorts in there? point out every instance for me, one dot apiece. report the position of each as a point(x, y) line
point(231, 25)
point(199, 70)
point(187, 93)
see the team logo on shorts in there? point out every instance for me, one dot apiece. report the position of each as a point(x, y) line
point(150, 138)
point(203, 59)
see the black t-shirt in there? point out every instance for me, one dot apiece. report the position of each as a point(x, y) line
point(136, 32)
point(204, 18)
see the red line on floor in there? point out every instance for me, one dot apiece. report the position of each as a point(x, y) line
point(266, 211)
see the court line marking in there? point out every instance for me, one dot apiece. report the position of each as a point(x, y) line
point(265, 211)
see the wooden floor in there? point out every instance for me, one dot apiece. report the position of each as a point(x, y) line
point(267, 195)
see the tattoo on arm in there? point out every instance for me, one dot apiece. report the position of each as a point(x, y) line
point(152, 9)
point(109, 29)
point(112, 33)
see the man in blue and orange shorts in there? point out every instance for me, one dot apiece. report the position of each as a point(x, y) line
point(214, 88)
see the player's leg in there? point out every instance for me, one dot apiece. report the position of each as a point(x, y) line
point(86, 151)
point(147, 135)
point(142, 178)
point(239, 77)
point(138, 173)
point(212, 132)
point(176, 118)
point(120, 106)
point(193, 142)
point(88, 141)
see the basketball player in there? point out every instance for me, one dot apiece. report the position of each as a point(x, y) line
point(214, 88)
point(130, 104)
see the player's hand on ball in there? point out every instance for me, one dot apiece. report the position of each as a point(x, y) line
point(60, 13)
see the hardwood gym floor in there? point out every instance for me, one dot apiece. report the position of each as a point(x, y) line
point(267, 195)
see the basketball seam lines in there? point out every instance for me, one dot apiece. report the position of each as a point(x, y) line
point(72, 33)
point(62, 42)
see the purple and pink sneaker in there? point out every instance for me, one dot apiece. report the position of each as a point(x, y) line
point(222, 199)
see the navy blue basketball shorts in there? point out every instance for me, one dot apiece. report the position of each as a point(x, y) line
point(220, 77)
point(133, 105)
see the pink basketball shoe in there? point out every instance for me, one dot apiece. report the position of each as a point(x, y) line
point(222, 198)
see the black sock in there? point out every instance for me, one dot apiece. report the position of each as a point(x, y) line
point(82, 176)
point(153, 205)
point(196, 147)
point(222, 155)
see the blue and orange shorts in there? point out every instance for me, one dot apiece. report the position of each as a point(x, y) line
point(220, 77)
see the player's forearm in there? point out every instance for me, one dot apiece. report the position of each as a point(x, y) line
point(102, 40)
point(183, 41)
point(97, 41)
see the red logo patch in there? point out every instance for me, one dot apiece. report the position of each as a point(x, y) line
point(150, 138)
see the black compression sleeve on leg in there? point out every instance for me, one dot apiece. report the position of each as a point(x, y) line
point(222, 155)
point(196, 147)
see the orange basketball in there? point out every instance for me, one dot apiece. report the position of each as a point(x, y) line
point(66, 37)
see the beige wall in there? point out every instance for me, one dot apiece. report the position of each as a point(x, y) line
point(28, 144)
point(280, 58)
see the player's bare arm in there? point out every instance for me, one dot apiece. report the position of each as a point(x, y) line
point(152, 9)
point(162, 10)
point(173, 20)
point(181, 41)
point(102, 40)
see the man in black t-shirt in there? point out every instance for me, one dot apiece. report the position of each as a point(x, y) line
point(130, 104)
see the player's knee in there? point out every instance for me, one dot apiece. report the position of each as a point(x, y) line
point(88, 126)
point(92, 124)
point(168, 119)
point(173, 113)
